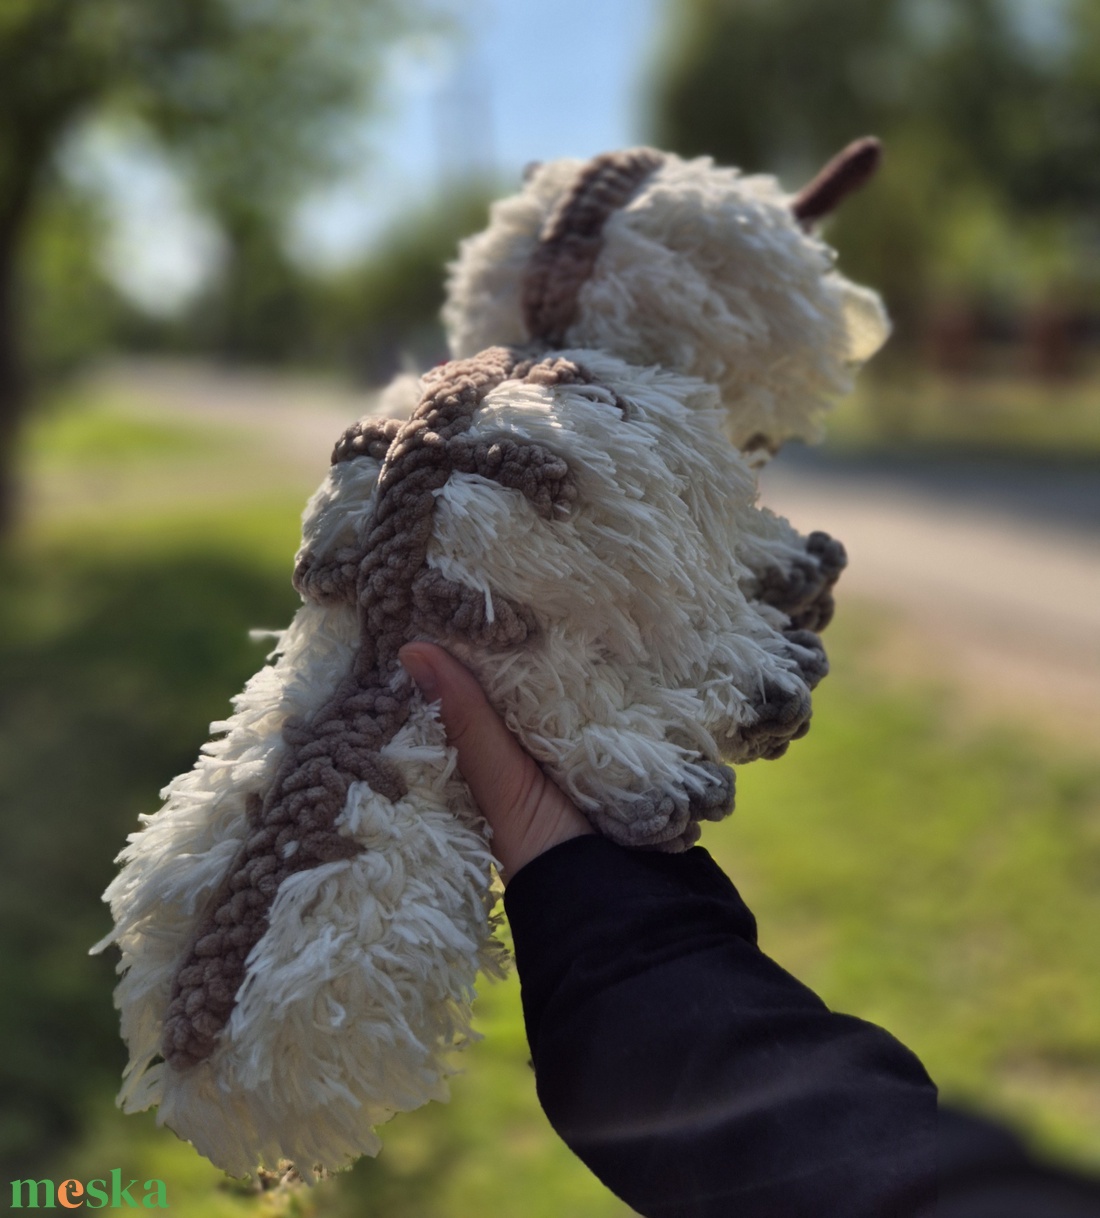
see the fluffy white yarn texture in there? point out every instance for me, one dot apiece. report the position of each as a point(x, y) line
point(705, 271)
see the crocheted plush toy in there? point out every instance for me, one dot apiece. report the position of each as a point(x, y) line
point(570, 508)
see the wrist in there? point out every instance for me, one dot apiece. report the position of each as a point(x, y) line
point(516, 842)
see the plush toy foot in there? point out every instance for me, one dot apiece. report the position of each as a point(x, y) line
point(804, 590)
point(808, 652)
point(782, 715)
point(670, 822)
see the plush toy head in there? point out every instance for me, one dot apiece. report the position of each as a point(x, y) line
point(698, 268)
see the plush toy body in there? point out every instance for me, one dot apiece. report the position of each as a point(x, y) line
point(563, 508)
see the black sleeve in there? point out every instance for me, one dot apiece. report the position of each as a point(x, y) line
point(986, 1171)
point(690, 1073)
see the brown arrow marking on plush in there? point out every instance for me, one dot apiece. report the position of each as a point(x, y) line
point(399, 598)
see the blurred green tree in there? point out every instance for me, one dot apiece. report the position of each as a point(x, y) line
point(255, 99)
point(373, 315)
point(989, 110)
point(67, 309)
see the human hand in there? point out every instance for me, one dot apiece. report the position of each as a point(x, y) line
point(526, 812)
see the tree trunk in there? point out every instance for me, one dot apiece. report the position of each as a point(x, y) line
point(13, 385)
point(34, 121)
point(15, 212)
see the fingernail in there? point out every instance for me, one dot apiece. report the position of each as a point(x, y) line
point(421, 672)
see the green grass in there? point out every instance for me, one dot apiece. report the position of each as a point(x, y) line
point(110, 667)
point(917, 411)
point(940, 880)
point(95, 426)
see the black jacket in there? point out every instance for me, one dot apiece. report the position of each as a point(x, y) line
point(698, 1079)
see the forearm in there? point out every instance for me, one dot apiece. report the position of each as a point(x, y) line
point(686, 1069)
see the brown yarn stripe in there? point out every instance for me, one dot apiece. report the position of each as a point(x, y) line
point(367, 438)
point(572, 238)
point(399, 598)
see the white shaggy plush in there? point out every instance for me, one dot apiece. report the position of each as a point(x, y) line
point(302, 923)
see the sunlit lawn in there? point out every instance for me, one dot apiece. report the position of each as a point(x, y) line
point(917, 411)
point(943, 881)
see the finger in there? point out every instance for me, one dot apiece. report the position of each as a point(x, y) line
point(527, 813)
point(491, 760)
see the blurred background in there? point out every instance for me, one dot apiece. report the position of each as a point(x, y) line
point(223, 225)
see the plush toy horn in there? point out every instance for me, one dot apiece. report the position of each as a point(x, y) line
point(845, 173)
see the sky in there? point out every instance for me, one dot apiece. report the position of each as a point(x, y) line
point(527, 80)
point(531, 80)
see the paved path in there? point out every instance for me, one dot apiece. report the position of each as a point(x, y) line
point(992, 571)
point(1001, 587)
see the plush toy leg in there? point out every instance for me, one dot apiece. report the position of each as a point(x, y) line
point(792, 573)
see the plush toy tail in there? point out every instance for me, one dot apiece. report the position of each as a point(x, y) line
point(359, 992)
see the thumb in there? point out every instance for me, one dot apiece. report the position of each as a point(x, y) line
point(525, 810)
